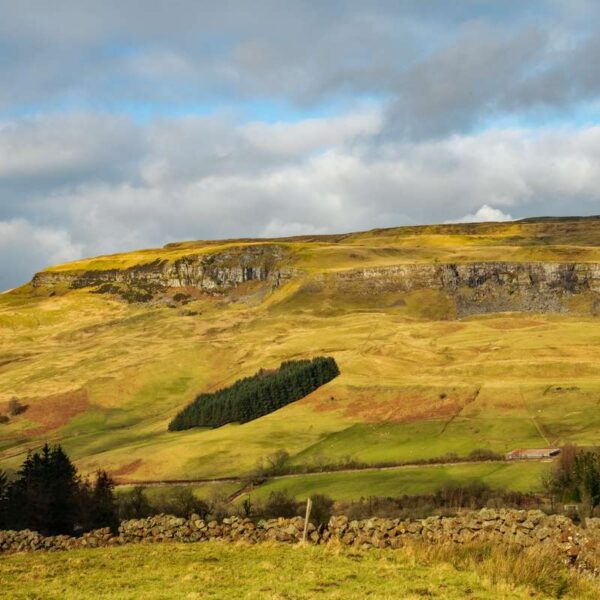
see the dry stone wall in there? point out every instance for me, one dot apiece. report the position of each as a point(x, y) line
point(515, 527)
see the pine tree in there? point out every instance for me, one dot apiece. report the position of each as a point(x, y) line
point(103, 505)
point(3, 500)
point(44, 496)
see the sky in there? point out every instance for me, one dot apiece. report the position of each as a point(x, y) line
point(135, 123)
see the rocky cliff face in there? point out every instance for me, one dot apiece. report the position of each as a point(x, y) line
point(486, 287)
point(474, 288)
point(212, 273)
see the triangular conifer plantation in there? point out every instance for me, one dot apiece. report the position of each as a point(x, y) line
point(256, 396)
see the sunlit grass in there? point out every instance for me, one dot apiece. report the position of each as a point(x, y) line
point(221, 570)
point(392, 483)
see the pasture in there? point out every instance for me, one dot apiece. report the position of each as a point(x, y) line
point(222, 570)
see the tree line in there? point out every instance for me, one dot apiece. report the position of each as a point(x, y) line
point(49, 496)
point(258, 395)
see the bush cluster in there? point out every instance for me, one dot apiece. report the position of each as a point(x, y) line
point(136, 503)
point(258, 395)
point(279, 463)
point(446, 500)
point(576, 479)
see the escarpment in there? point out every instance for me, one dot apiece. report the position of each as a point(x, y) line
point(472, 288)
point(477, 288)
point(214, 273)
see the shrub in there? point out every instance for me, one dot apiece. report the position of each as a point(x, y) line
point(446, 501)
point(133, 504)
point(181, 297)
point(274, 464)
point(180, 502)
point(484, 454)
point(281, 504)
point(322, 507)
point(246, 507)
point(15, 407)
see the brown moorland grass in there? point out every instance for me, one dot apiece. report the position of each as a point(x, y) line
point(52, 412)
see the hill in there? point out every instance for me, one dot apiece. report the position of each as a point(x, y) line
point(449, 338)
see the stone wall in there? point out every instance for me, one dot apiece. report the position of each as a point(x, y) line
point(519, 528)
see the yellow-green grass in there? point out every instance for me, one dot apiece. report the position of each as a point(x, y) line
point(410, 388)
point(220, 570)
point(519, 477)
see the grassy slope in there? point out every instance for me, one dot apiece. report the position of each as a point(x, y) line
point(410, 481)
point(220, 570)
point(104, 377)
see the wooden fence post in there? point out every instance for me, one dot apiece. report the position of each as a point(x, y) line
point(308, 509)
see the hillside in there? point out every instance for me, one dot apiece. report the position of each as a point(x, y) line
point(449, 338)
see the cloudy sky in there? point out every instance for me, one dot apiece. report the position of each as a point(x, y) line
point(132, 123)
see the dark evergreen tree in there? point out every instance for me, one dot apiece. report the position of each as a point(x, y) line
point(44, 496)
point(259, 395)
point(4, 488)
point(103, 506)
point(49, 496)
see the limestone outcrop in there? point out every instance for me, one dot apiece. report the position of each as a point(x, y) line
point(471, 288)
point(212, 273)
point(484, 287)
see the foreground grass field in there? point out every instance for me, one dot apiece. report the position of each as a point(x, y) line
point(104, 377)
point(218, 570)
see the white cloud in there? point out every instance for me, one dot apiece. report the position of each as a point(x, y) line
point(484, 214)
point(66, 146)
point(296, 139)
point(209, 178)
point(24, 246)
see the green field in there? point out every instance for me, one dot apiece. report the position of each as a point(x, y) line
point(221, 570)
point(104, 377)
point(520, 477)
